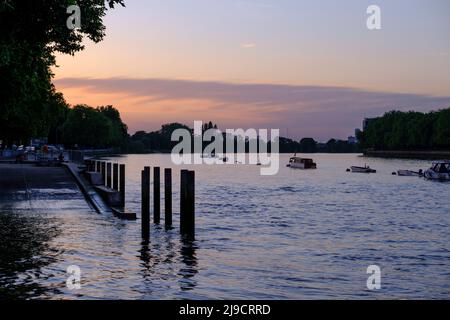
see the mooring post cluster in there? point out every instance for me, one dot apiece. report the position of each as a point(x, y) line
point(112, 176)
point(187, 201)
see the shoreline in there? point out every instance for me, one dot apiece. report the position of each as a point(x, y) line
point(399, 154)
point(30, 187)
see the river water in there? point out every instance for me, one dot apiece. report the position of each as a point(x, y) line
point(296, 235)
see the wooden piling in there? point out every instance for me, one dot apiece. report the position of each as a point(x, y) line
point(168, 197)
point(156, 195)
point(108, 175)
point(116, 176)
point(87, 163)
point(122, 184)
point(183, 195)
point(103, 172)
point(190, 203)
point(145, 204)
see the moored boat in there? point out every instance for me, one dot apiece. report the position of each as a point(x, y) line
point(214, 156)
point(365, 169)
point(439, 171)
point(302, 163)
point(409, 173)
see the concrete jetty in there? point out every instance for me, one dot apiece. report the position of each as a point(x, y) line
point(27, 187)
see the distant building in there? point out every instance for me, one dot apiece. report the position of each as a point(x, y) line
point(352, 140)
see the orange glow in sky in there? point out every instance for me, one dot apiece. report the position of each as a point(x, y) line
point(284, 64)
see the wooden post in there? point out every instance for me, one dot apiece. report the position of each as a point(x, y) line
point(190, 203)
point(122, 185)
point(168, 197)
point(103, 172)
point(183, 194)
point(108, 175)
point(145, 205)
point(116, 176)
point(87, 163)
point(156, 195)
point(97, 164)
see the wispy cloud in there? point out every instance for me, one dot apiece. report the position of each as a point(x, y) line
point(248, 45)
point(320, 112)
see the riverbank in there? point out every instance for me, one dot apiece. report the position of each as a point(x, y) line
point(28, 187)
point(420, 155)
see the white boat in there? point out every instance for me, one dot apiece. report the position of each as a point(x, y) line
point(409, 173)
point(214, 156)
point(364, 169)
point(301, 163)
point(439, 171)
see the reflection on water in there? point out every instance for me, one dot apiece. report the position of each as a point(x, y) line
point(188, 272)
point(24, 252)
point(300, 234)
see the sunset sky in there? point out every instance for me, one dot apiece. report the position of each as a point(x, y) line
point(309, 68)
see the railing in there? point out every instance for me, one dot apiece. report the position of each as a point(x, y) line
point(38, 155)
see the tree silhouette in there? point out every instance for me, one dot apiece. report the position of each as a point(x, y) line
point(31, 32)
point(397, 130)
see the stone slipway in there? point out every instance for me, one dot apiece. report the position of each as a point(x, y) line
point(88, 190)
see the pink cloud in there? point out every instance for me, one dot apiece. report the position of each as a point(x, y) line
point(319, 112)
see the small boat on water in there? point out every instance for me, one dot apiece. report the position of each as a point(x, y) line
point(365, 169)
point(410, 173)
point(214, 156)
point(439, 171)
point(301, 163)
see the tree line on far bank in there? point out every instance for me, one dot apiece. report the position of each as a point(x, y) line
point(160, 141)
point(397, 130)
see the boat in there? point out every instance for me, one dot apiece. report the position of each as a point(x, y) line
point(439, 171)
point(365, 169)
point(214, 156)
point(409, 173)
point(301, 163)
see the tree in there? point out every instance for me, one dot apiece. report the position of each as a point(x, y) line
point(397, 130)
point(308, 145)
point(120, 129)
point(88, 127)
point(442, 129)
point(31, 32)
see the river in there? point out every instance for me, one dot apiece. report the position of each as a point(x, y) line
point(296, 235)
